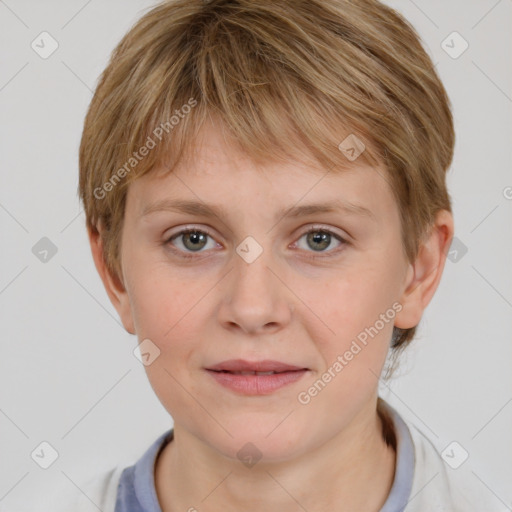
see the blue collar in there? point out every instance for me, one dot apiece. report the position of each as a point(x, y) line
point(136, 490)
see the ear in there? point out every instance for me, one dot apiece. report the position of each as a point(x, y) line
point(113, 284)
point(424, 275)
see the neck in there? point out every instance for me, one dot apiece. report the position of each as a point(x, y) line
point(353, 470)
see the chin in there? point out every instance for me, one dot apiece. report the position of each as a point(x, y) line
point(258, 442)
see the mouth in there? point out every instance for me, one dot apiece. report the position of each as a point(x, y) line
point(255, 378)
point(241, 366)
point(252, 373)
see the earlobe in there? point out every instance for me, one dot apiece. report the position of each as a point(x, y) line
point(424, 275)
point(114, 287)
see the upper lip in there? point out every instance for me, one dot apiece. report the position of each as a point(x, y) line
point(267, 365)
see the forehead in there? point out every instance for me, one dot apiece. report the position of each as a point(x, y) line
point(215, 172)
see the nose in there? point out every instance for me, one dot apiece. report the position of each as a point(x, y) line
point(255, 298)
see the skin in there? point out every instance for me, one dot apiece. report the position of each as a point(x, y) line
point(286, 306)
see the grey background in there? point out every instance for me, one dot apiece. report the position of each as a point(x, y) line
point(68, 375)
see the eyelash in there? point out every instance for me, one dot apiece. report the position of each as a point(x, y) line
point(313, 229)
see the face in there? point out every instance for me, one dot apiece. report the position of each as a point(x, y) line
point(251, 284)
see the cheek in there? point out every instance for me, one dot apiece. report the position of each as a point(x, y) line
point(352, 302)
point(353, 343)
point(355, 330)
point(166, 310)
point(162, 301)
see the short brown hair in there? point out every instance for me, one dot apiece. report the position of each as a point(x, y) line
point(280, 75)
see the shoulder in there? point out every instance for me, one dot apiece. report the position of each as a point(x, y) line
point(99, 492)
point(439, 488)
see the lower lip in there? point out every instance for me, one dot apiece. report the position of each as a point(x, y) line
point(256, 384)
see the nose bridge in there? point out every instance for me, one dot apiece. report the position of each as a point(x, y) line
point(256, 298)
point(252, 273)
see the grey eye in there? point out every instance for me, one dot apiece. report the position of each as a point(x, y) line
point(319, 239)
point(191, 240)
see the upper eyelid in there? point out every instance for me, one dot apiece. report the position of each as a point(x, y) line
point(314, 227)
point(319, 227)
point(187, 229)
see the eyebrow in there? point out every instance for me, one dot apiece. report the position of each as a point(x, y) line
point(204, 210)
